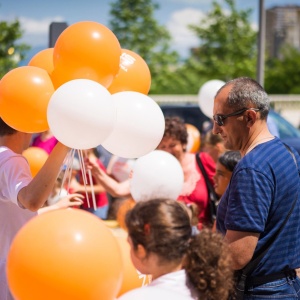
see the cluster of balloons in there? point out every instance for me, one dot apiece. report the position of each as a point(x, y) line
point(79, 257)
point(88, 91)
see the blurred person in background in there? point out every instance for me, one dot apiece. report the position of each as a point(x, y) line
point(212, 144)
point(194, 189)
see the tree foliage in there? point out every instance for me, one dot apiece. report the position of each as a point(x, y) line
point(10, 51)
point(227, 49)
point(227, 46)
point(282, 74)
point(137, 30)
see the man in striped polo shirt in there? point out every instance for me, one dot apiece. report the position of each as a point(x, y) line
point(263, 188)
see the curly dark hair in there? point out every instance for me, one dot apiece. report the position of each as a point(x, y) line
point(209, 265)
point(175, 128)
point(163, 227)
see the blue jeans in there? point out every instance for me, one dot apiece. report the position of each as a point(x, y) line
point(285, 288)
point(100, 212)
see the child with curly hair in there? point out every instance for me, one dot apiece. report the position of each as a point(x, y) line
point(183, 265)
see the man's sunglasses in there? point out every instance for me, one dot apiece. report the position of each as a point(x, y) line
point(219, 119)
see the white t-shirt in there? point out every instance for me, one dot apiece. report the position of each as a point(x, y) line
point(170, 286)
point(14, 175)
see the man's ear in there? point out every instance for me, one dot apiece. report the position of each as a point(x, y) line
point(141, 252)
point(251, 117)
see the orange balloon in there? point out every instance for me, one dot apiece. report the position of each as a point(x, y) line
point(132, 278)
point(134, 74)
point(24, 96)
point(194, 138)
point(86, 50)
point(66, 254)
point(123, 209)
point(36, 158)
point(44, 60)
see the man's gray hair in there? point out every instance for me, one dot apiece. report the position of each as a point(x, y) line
point(247, 92)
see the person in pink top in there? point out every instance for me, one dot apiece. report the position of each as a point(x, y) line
point(45, 140)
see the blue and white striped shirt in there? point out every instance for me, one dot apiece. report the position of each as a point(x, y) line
point(261, 192)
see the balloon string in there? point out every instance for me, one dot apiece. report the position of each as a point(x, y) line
point(70, 169)
point(83, 172)
point(67, 165)
point(92, 189)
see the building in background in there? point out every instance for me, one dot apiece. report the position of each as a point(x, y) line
point(282, 28)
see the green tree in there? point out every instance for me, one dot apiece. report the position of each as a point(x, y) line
point(227, 44)
point(10, 51)
point(282, 74)
point(137, 30)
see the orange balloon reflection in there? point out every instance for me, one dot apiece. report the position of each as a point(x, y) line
point(134, 74)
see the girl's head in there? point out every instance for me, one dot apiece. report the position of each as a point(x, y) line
point(224, 168)
point(162, 227)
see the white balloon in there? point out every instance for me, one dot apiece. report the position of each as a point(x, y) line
point(81, 114)
point(139, 126)
point(206, 96)
point(157, 174)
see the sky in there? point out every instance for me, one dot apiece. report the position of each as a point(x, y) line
point(36, 16)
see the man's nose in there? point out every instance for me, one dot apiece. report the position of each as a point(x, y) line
point(216, 128)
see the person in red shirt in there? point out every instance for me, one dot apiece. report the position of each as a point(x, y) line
point(194, 189)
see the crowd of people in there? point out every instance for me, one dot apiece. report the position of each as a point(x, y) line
point(252, 244)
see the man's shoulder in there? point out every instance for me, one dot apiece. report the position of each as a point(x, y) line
point(266, 152)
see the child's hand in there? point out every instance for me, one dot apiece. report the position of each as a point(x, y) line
point(64, 202)
point(69, 201)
